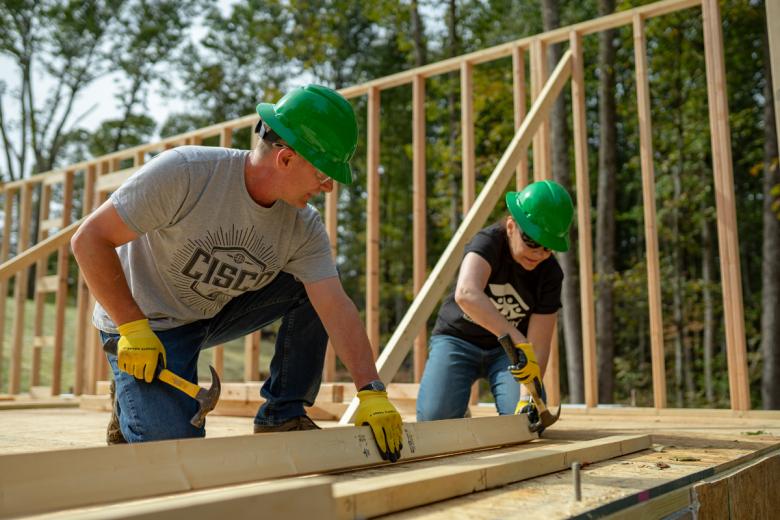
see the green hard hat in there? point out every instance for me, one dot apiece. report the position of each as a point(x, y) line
point(544, 211)
point(319, 124)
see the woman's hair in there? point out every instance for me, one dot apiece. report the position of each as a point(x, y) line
point(502, 222)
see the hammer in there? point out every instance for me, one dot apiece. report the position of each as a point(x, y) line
point(207, 399)
point(546, 419)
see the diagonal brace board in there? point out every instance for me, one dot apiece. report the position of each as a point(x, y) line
point(426, 300)
point(384, 494)
point(81, 477)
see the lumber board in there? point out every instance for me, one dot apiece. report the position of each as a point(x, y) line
point(373, 496)
point(87, 476)
point(426, 300)
point(279, 500)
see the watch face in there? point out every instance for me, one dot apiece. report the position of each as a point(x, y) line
point(376, 386)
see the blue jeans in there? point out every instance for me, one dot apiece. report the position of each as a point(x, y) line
point(452, 367)
point(157, 411)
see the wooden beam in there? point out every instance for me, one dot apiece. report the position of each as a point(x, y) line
point(442, 274)
point(648, 206)
point(81, 477)
point(383, 494)
point(252, 357)
point(728, 241)
point(20, 290)
point(773, 30)
point(419, 214)
point(542, 152)
point(332, 228)
point(518, 97)
point(372, 224)
point(582, 180)
point(277, 500)
point(467, 134)
point(39, 250)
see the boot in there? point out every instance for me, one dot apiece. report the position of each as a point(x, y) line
point(114, 432)
point(301, 422)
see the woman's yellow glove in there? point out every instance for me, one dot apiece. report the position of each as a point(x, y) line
point(527, 368)
point(378, 412)
point(138, 350)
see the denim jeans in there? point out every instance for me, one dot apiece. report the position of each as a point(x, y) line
point(452, 367)
point(156, 411)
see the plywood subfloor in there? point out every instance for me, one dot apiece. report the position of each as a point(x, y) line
point(683, 445)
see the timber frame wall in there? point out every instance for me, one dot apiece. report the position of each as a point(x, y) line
point(99, 176)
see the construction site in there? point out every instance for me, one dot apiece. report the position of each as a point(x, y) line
point(594, 461)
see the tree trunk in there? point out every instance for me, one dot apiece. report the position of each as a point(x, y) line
point(418, 36)
point(605, 212)
point(570, 295)
point(770, 255)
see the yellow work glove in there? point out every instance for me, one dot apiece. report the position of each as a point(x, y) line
point(377, 411)
point(526, 372)
point(138, 350)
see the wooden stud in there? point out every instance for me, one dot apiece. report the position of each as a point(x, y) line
point(584, 240)
point(419, 213)
point(552, 375)
point(372, 231)
point(728, 241)
point(542, 149)
point(41, 267)
point(20, 289)
point(9, 196)
point(81, 477)
point(83, 323)
point(467, 134)
point(332, 228)
point(218, 360)
point(648, 200)
point(252, 357)
point(441, 275)
point(518, 96)
point(773, 31)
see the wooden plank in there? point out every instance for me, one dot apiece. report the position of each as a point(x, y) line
point(518, 97)
point(218, 359)
point(8, 209)
point(442, 274)
point(226, 137)
point(61, 299)
point(419, 214)
point(728, 241)
point(542, 151)
point(467, 134)
point(773, 32)
point(47, 284)
point(20, 288)
point(51, 223)
point(278, 500)
point(43, 341)
point(111, 181)
point(332, 228)
point(80, 477)
point(384, 494)
point(39, 250)
point(584, 239)
point(648, 206)
point(252, 357)
point(372, 224)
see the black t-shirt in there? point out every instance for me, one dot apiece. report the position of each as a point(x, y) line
point(516, 292)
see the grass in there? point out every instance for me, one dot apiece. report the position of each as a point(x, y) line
point(233, 359)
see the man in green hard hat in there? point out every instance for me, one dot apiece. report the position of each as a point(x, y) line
point(509, 283)
point(203, 245)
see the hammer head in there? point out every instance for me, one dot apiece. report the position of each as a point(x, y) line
point(207, 399)
point(546, 419)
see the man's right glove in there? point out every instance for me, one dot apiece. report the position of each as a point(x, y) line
point(138, 350)
point(527, 368)
point(377, 411)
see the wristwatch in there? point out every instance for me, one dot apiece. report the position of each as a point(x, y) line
point(376, 385)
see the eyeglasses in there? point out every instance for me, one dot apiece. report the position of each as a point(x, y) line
point(531, 243)
point(322, 177)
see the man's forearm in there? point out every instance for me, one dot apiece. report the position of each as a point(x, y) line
point(102, 271)
point(352, 346)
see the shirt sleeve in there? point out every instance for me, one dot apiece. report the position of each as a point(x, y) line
point(153, 196)
point(312, 260)
point(485, 246)
point(549, 297)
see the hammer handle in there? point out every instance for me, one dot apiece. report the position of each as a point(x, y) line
point(535, 386)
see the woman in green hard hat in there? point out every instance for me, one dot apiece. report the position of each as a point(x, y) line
point(509, 283)
point(203, 245)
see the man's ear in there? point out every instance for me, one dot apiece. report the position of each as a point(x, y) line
point(283, 158)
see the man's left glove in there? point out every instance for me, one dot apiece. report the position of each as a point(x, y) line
point(377, 411)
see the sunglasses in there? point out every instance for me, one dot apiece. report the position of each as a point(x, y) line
point(531, 243)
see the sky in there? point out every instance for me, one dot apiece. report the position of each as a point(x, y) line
point(99, 94)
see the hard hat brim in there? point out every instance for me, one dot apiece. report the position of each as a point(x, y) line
point(560, 244)
point(340, 172)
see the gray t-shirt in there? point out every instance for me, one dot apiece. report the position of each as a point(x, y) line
point(203, 240)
